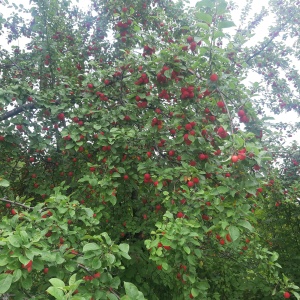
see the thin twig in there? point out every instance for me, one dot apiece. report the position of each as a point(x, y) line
point(16, 203)
point(227, 110)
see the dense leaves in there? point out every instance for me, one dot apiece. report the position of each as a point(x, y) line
point(134, 159)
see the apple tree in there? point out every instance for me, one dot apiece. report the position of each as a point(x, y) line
point(132, 160)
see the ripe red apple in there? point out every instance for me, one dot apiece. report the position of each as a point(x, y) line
point(213, 77)
point(221, 104)
point(180, 214)
point(234, 158)
point(189, 39)
point(193, 46)
point(90, 85)
point(286, 295)
point(228, 237)
point(46, 270)
point(19, 127)
point(126, 177)
point(190, 184)
point(61, 116)
point(241, 113)
point(171, 153)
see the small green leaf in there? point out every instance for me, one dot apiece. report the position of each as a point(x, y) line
point(234, 232)
point(245, 224)
point(205, 3)
point(57, 282)
point(110, 258)
point(5, 282)
point(187, 249)
point(124, 247)
point(14, 240)
point(17, 275)
point(225, 24)
point(133, 292)
point(204, 17)
point(222, 189)
point(4, 182)
point(72, 279)
point(90, 247)
point(56, 292)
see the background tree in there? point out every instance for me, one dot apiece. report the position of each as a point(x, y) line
point(133, 154)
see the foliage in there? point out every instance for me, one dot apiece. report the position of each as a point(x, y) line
point(133, 159)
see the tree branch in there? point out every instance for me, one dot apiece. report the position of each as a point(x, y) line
point(16, 203)
point(16, 111)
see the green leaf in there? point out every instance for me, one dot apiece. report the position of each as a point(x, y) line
point(187, 249)
point(88, 211)
point(245, 224)
point(69, 146)
point(111, 296)
point(133, 292)
point(203, 26)
point(26, 282)
point(72, 279)
point(234, 232)
point(222, 189)
point(5, 282)
point(17, 275)
point(110, 258)
point(4, 182)
point(203, 285)
point(274, 256)
point(57, 282)
point(56, 292)
point(204, 17)
point(296, 295)
point(90, 247)
point(14, 240)
point(124, 247)
point(225, 24)
point(205, 3)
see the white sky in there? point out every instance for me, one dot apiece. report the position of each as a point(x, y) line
point(261, 32)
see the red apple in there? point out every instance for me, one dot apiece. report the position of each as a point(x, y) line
point(61, 116)
point(234, 158)
point(213, 77)
point(180, 214)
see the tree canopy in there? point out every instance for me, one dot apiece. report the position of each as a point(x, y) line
point(137, 159)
